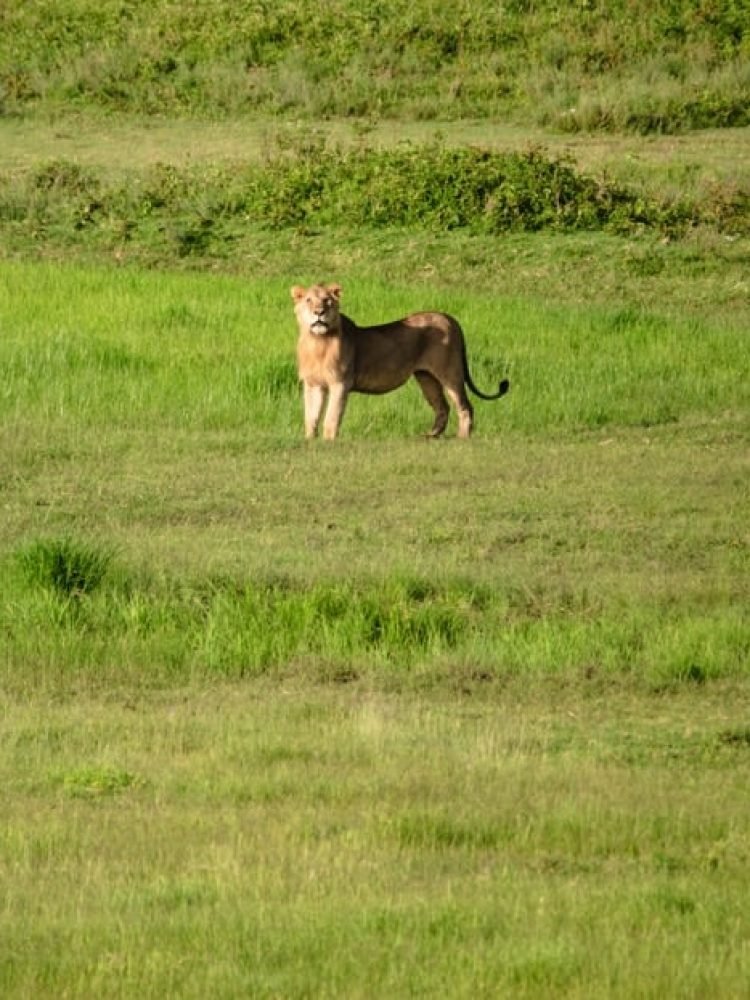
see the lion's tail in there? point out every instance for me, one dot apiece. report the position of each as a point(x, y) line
point(501, 389)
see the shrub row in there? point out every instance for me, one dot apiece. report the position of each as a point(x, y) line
point(425, 187)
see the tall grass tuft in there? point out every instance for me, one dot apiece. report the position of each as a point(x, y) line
point(67, 566)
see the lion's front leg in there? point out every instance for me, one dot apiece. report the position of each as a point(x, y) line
point(337, 396)
point(315, 397)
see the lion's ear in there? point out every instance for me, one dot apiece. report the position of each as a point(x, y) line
point(298, 292)
point(335, 291)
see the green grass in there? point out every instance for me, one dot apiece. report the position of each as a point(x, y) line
point(165, 520)
point(215, 353)
point(64, 566)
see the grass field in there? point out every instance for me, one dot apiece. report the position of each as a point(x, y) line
point(392, 717)
point(387, 718)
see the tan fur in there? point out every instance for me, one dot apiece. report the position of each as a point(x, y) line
point(336, 357)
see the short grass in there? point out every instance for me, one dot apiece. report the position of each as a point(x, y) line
point(295, 840)
point(125, 143)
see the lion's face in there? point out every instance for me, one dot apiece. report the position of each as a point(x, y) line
point(317, 308)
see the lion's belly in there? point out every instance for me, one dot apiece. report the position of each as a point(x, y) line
point(376, 383)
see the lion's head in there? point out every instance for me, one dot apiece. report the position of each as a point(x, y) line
point(317, 308)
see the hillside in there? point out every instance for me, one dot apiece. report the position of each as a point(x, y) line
point(626, 65)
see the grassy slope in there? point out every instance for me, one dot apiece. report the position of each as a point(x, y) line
point(629, 64)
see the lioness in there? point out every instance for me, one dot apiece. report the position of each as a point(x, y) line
point(336, 357)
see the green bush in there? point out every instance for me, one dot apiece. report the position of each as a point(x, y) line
point(428, 187)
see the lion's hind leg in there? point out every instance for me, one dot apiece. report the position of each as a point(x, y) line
point(464, 410)
point(433, 393)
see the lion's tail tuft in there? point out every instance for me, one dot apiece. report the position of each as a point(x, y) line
point(501, 389)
